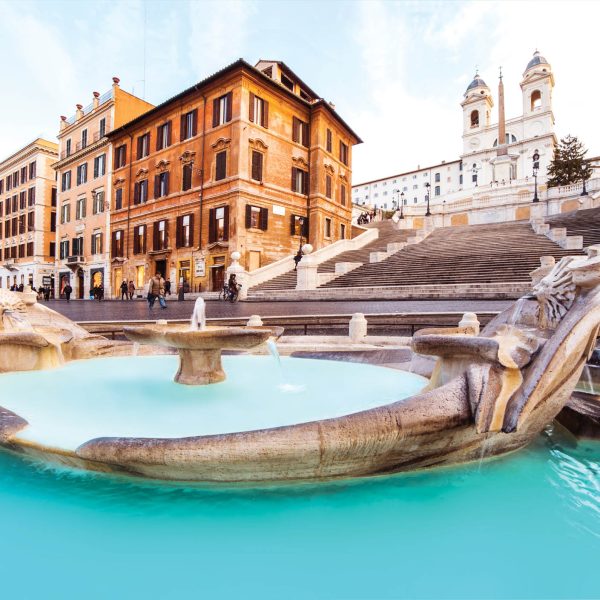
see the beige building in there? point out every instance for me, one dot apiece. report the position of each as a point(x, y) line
point(27, 215)
point(84, 188)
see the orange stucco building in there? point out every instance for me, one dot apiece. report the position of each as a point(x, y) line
point(249, 159)
point(84, 189)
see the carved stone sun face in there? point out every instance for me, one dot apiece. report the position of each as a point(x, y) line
point(555, 294)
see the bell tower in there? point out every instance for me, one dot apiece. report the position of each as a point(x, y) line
point(536, 87)
point(477, 108)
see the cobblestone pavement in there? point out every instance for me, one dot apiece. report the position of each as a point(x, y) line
point(116, 310)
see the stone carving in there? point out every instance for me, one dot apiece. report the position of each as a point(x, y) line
point(556, 293)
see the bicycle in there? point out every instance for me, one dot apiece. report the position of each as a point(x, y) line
point(234, 294)
point(224, 293)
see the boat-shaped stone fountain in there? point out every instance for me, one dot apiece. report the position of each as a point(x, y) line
point(491, 392)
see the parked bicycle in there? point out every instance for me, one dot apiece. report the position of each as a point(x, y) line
point(229, 294)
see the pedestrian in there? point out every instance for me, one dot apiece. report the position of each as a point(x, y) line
point(156, 291)
point(124, 290)
point(297, 259)
point(47, 293)
point(168, 287)
point(131, 290)
point(100, 292)
point(21, 287)
point(67, 291)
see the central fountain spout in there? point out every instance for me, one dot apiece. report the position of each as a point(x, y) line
point(198, 322)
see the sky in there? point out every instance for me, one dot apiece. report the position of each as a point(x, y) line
point(396, 71)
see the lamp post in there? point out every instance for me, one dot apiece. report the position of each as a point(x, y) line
point(427, 186)
point(475, 170)
point(583, 174)
point(536, 166)
point(402, 205)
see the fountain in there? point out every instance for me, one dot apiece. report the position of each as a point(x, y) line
point(491, 392)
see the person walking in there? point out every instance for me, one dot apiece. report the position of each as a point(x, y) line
point(156, 291)
point(168, 287)
point(68, 291)
point(124, 290)
point(131, 290)
point(100, 291)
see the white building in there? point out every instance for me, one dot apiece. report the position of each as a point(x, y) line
point(28, 215)
point(484, 161)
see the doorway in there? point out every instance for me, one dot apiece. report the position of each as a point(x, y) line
point(117, 280)
point(80, 283)
point(161, 267)
point(253, 260)
point(218, 278)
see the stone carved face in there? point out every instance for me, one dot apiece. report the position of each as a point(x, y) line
point(555, 294)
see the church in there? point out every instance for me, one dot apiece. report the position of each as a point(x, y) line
point(495, 155)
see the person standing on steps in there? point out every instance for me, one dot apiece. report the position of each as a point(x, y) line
point(67, 291)
point(124, 290)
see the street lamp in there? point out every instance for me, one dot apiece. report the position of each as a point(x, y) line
point(402, 205)
point(583, 174)
point(427, 186)
point(475, 170)
point(536, 166)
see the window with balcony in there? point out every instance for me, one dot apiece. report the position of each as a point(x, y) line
point(84, 138)
point(77, 246)
point(222, 109)
point(102, 128)
point(259, 111)
point(257, 217)
point(189, 125)
point(68, 147)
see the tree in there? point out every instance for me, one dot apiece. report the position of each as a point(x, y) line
point(568, 163)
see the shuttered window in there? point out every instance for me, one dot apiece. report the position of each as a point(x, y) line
point(343, 153)
point(160, 235)
point(343, 195)
point(120, 156)
point(299, 181)
point(257, 217)
point(221, 165)
point(329, 141)
point(117, 244)
point(186, 177)
point(188, 125)
point(119, 199)
point(222, 109)
point(218, 224)
point(139, 239)
point(163, 135)
point(161, 185)
point(258, 111)
point(143, 146)
point(300, 132)
point(328, 186)
point(185, 231)
point(257, 165)
point(140, 192)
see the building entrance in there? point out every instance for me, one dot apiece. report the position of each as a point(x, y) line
point(218, 278)
point(161, 267)
point(80, 284)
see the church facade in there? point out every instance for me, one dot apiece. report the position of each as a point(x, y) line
point(494, 155)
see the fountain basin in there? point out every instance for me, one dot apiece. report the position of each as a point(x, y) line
point(199, 350)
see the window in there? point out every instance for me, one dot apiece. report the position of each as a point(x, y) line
point(139, 239)
point(119, 199)
point(343, 153)
point(99, 166)
point(186, 177)
point(64, 249)
point(343, 195)
point(22, 200)
point(96, 242)
point(68, 147)
point(218, 224)
point(221, 165)
point(80, 208)
point(21, 250)
point(259, 111)
point(65, 213)
point(84, 138)
point(460, 179)
point(140, 192)
point(31, 196)
point(7, 229)
point(437, 190)
point(52, 249)
point(163, 135)
point(1, 192)
point(15, 205)
point(32, 171)
point(189, 124)
point(437, 177)
point(77, 246)
point(299, 225)
point(82, 174)
point(342, 231)
point(98, 202)
point(52, 221)
point(300, 133)
point(414, 200)
point(23, 174)
point(475, 118)
point(257, 217)
point(143, 146)
point(299, 181)
point(185, 231)
point(120, 156)
point(328, 186)
point(161, 185)
point(329, 143)
point(161, 235)
point(22, 224)
point(102, 128)
point(257, 165)
point(117, 244)
point(327, 228)
point(415, 187)
point(66, 181)
point(222, 109)
point(8, 183)
point(536, 100)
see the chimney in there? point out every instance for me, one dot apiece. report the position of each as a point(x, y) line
point(79, 112)
point(116, 81)
point(63, 122)
point(96, 101)
point(332, 105)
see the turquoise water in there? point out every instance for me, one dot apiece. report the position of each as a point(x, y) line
point(524, 526)
point(136, 397)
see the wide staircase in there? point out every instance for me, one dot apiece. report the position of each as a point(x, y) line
point(477, 254)
point(387, 234)
point(582, 222)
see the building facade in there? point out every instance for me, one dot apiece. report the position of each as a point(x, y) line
point(487, 160)
point(84, 187)
point(28, 215)
point(249, 159)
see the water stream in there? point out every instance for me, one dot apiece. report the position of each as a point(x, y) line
point(198, 320)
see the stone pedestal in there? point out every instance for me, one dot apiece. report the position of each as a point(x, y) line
point(199, 367)
point(358, 327)
point(308, 278)
point(240, 273)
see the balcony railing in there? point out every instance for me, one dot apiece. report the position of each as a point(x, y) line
point(74, 260)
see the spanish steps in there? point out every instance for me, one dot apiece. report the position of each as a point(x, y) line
point(476, 254)
point(581, 222)
point(387, 234)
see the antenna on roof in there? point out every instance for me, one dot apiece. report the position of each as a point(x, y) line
point(144, 69)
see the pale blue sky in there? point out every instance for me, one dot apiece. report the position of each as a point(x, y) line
point(395, 70)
